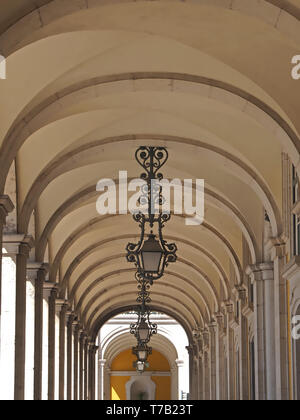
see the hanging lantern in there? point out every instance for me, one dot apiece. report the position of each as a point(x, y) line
point(142, 352)
point(143, 329)
point(140, 366)
point(153, 254)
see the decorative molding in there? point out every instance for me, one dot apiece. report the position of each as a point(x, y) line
point(261, 272)
point(137, 374)
point(60, 304)
point(15, 243)
point(34, 267)
point(47, 289)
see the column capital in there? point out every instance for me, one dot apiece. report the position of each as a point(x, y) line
point(60, 305)
point(200, 343)
point(83, 336)
point(26, 245)
point(228, 307)
point(276, 247)
point(76, 324)
point(16, 243)
point(212, 327)
point(102, 362)
point(261, 272)
point(70, 317)
point(6, 207)
point(196, 332)
point(93, 348)
point(33, 269)
point(220, 317)
point(205, 336)
point(48, 287)
point(242, 293)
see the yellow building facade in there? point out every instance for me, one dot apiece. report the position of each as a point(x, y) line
point(124, 363)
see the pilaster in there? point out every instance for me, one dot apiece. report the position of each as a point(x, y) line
point(76, 328)
point(70, 316)
point(17, 247)
point(262, 276)
point(36, 273)
point(50, 292)
point(61, 310)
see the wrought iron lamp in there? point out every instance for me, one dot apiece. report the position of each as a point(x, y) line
point(143, 329)
point(142, 352)
point(140, 366)
point(152, 254)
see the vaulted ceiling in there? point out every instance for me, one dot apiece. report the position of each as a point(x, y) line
point(88, 81)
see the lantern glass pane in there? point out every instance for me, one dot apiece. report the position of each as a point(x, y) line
point(140, 366)
point(151, 261)
point(142, 354)
point(143, 331)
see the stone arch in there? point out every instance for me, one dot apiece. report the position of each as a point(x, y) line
point(267, 10)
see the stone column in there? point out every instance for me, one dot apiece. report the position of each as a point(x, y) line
point(180, 373)
point(174, 382)
point(191, 370)
point(36, 272)
point(262, 276)
point(86, 369)
point(101, 379)
point(220, 395)
point(206, 365)
point(206, 377)
point(51, 340)
point(195, 376)
point(92, 349)
point(244, 344)
point(20, 246)
point(278, 253)
point(82, 340)
point(230, 351)
point(107, 383)
point(8, 314)
point(201, 376)
point(76, 360)
point(6, 206)
point(61, 309)
point(70, 319)
point(213, 360)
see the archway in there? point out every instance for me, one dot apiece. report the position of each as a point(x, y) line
point(168, 364)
